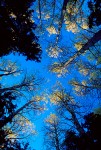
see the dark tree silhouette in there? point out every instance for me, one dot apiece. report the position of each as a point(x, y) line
point(6, 105)
point(11, 144)
point(95, 13)
point(16, 29)
point(91, 140)
point(7, 108)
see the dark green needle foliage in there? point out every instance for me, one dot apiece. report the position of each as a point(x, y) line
point(95, 13)
point(91, 140)
point(6, 104)
point(6, 108)
point(16, 29)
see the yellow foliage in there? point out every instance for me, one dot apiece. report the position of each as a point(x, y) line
point(84, 25)
point(52, 119)
point(78, 90)
point(59, 69)
point(56, 69)
point(78, 46)
point(72, 27)
point(54, 51)
point(73, 82)
point(13, 15)
point(71, 10)
point(51, 30)
point(67, 22)
point(84, 83)
point(38, 98)
point(47, 17)
point(23, 125)
point(56, 97)
point(12, 136)
point(83, 71)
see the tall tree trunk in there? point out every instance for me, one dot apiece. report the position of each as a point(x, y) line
point(56, 138)
point(91, 42)
point(75, 121)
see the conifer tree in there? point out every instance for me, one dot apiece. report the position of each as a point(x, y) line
point(17, 29)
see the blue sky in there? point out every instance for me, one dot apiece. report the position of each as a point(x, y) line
point(50, 79)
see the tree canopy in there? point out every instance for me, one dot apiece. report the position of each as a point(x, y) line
point(69, 31)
